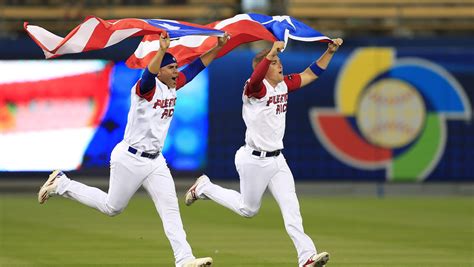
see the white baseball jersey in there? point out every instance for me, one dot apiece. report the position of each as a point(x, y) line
point(149, 119)
point(265, 118)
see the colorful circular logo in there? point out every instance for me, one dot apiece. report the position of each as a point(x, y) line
point(390, 114)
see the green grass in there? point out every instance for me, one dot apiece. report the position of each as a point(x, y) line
point(409, 232)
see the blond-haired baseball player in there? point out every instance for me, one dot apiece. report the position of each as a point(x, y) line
point(137, 160)
point(260, 162)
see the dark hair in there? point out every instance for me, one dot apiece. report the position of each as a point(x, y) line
point(259, 57)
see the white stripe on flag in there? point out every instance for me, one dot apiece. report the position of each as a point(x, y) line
point(147, 47)
point(46, 38)
point(308, 39)
point(119, 35)
point(234, 19)
point(189, 41)
point(79, 40)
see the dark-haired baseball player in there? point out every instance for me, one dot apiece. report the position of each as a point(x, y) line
point(137, 160)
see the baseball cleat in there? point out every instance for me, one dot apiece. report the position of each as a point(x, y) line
point(191, 196)
point(199, 262)
point(50, 186)
point(317, 260)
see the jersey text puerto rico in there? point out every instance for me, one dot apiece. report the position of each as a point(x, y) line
point(167, 105)
point(279, 101)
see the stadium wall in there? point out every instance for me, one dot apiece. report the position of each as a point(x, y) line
point(325, 136)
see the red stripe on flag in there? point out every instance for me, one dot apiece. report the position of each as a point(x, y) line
point(99, 38)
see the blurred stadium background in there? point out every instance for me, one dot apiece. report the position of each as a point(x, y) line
point(360, 191)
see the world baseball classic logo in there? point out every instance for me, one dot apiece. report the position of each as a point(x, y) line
point(390, 114)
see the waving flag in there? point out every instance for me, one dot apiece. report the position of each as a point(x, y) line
point(95, 33)
point(284, 27)
point(243, 28)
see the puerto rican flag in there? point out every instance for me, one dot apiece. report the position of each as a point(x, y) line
point(95, 33)
point(243, 28)
point(189, 40)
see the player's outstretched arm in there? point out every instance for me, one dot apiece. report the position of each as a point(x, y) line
point(209, 56)
point(155, 64)
point(314, 70)
point(147, 82)
point(255, 87)
point(276, 48)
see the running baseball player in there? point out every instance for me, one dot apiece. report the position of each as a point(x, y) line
point(137, 160)
point(260, 162)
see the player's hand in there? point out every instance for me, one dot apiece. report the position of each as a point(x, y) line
point(164, 41)
point(332, 47)
point(276, 48)
point(221, 41)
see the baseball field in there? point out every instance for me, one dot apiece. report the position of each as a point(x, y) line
point(357, 231)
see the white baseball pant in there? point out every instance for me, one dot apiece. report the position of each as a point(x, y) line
point(127, 173)
point(256, 174)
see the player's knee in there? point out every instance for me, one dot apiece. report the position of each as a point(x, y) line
point(112, 211)
point(248, 212)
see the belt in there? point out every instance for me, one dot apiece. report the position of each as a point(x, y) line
point(263, 154)
point(143, 154)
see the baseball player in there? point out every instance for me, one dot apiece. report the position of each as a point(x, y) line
point(260, 162)
point(137, 160)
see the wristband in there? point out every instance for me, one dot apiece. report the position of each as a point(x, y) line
point(316, 69)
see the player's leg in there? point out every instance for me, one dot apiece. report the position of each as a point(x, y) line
point(125, 179)
point(254, 176)
point(282, 187)
point(161, 188)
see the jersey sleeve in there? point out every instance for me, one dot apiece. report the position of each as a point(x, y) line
point(254, 86)
point(148, 96)
point(181, 80)
point(145, 87)
point(188, 73)
point(293, 81)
